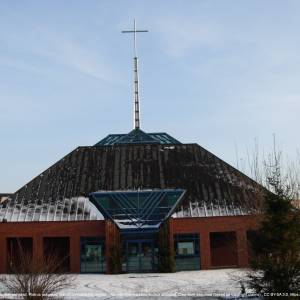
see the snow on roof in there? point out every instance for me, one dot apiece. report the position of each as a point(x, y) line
point(73, 209)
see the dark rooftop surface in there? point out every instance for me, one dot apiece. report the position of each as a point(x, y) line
point(213, 187)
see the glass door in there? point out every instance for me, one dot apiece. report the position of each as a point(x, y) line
point(139, 256)
point(146, 256)
point(133, 263)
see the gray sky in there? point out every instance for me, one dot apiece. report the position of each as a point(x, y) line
point(218, 73)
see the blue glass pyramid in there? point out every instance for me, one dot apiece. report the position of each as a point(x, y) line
point(138, 136)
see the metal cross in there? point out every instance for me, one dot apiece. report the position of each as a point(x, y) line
point(134, 31)
point(136, 120)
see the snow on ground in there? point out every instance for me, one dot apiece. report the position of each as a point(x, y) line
point(183, 285)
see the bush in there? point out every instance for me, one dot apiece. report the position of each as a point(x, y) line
point(34, 281)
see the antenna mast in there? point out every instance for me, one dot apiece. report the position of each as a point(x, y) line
point(136, 76)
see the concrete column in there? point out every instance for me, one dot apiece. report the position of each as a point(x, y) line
point(3, 254)
point(242, 249)
point(205, 250)
point(37, 250)
point(75, 254)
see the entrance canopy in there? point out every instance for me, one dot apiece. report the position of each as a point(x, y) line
point(139, 209)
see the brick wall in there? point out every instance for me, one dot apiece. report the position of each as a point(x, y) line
point(205, 226)
point(239, 225)
point(38, 230)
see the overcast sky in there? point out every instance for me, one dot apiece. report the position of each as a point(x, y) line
point(217, 73)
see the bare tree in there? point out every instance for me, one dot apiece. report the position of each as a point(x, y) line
point(264, 168)
point(37, 281)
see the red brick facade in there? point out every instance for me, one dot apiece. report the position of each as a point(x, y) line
point(74, 230)
point(205, 226)
point(38, 230)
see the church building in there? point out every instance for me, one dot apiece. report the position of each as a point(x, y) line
point(130, 203)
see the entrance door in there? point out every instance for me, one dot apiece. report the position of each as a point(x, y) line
point(140, 256)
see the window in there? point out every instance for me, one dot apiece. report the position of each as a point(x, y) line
point(187, 254)
point(186, 244)
point(186, 248)
point(92, 255)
